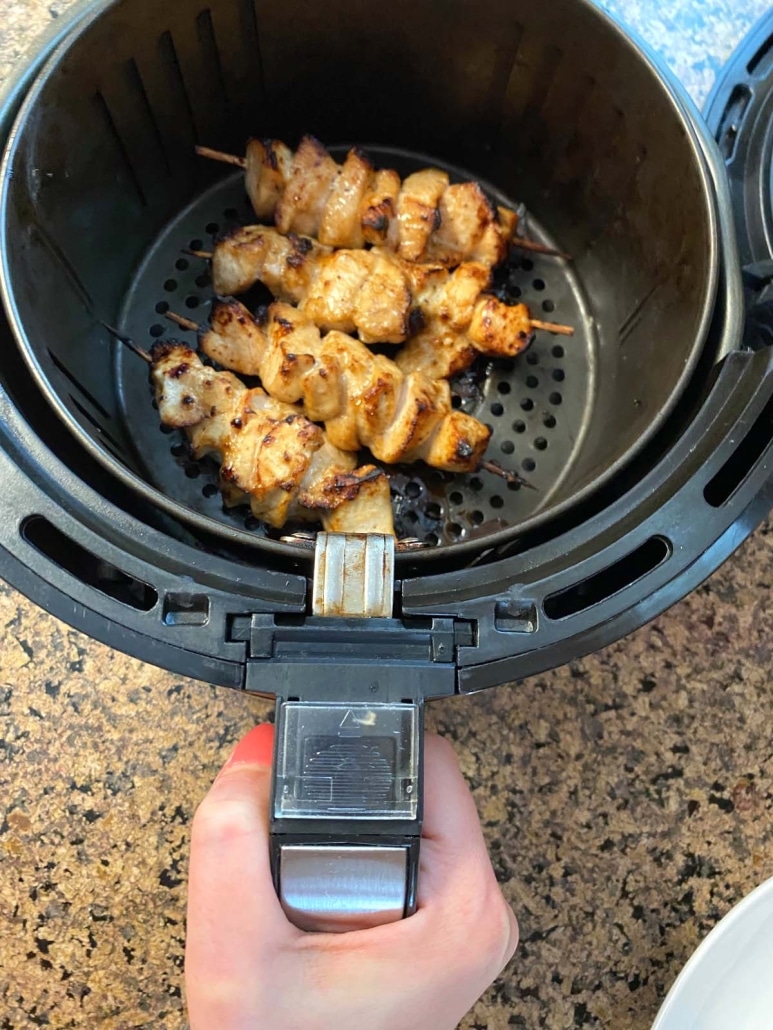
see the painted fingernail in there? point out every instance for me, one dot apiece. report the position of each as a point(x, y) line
point(256, 748)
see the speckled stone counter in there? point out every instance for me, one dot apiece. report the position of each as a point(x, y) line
point(626, 799)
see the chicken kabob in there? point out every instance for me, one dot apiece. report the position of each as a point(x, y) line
point(363, 398)
point(422, 218)
point(271, 456)
point(448, 316)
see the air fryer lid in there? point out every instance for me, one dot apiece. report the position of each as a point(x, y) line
point(101, 171)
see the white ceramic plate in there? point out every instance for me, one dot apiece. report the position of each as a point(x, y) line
point(727, 984)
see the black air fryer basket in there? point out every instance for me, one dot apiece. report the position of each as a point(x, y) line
point(646, 435)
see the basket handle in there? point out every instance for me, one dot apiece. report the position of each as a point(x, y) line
point(347, 776)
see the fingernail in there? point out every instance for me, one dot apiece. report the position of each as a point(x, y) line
point(257, 748)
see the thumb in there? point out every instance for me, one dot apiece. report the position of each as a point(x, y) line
point(234, 915)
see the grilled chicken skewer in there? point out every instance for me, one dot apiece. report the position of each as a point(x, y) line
point(422, 218)
point(364, 399)
point(272, 457)
point(381, 297)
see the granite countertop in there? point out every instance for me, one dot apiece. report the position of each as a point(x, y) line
point(626, 799)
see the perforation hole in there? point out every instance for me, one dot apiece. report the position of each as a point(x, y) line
point(212, 228)
point(549, 421)
point(182, 264)
point(497, 501)
point(203, 279)
point(156, 330)
point(532, 382)
point(540, 443)
point(162, 307)
point(539, 284)
point(497, 409)
point(527, 264)
point(519, 426)
point(507, 447)
point(558, 375)
point(528, 464)
point(548, 306)
point(230, 213)
point(432, 539)
point(557, 351)
point(532, 358)
point(476, 484)
point(454, 529)
point(170, 285)
point(195, 245)
point(192, 301)
point(456, 401)
point(179, 450)
point(456, 497)
point(209, 490)
point(251, 523)
point(476, 517)
point(412, 491)
point(503, 388)
point(527, 404)
point(433, 510)
point(555, 397)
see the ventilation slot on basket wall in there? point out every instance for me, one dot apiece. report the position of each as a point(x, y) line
point(186, 610)
point(727, 135)
point(721, 488)
point(763, 54)
point(89, 568)
point(610, 581)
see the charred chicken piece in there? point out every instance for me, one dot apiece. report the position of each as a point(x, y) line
point(364, 399)
point(422, 218)
point(271, 456)
point(381, 297)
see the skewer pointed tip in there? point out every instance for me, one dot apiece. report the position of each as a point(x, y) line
point(522, 243)
point(184, 323)
point(223, 158)
point(127, 341)
point(509, 476)
point(206, 254)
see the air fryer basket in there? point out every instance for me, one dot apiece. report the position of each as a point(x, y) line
point(102, 191)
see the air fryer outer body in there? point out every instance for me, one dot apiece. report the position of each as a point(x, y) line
point(110, 567)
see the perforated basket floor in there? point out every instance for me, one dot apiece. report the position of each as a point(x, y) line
point(539, 405)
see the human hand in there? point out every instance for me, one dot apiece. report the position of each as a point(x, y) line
point(248, 968)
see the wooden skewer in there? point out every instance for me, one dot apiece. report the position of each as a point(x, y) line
point(517, 241)
point(549, 327)
point(506, 474)
point(553, 327)
point(184, 323)
point(302, 539)
point(539, 248)
point(487, 466)
point(128, 342)
point(410, 543)
point(218, 155)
